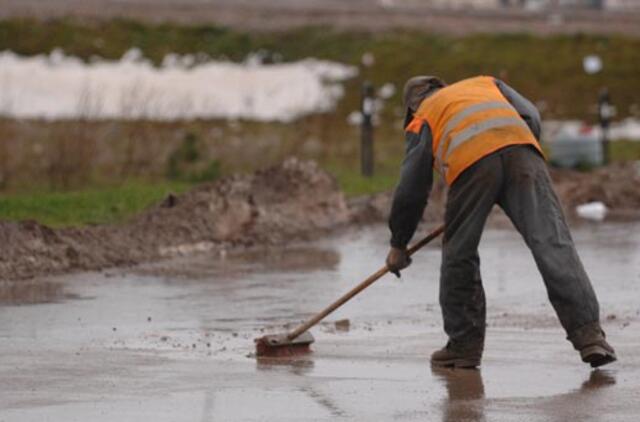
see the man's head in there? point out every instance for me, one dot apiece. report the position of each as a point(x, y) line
point(418, 88)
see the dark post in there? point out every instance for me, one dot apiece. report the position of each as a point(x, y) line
point(366, 138)
point(605, 113)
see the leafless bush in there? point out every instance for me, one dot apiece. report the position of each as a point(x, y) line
point(70, 155)
point(5, 136)
point(6, 95)
point(90, 104)
point(75, 154)
point(6, 104)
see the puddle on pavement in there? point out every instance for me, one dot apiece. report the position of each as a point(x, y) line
point(377, 370)
point(301, 259)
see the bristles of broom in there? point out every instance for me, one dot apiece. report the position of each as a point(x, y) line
point(263, 349)
point(281, 346)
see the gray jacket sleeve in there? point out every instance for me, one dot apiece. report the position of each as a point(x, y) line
point(524, 107)
point(413, 189)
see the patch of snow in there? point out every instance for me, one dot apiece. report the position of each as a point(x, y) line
point(368, 59)
point(355, 118)
point(592, 64)
point(596, 211)
point(387, 91)
point(626, 129)
point(57, 86)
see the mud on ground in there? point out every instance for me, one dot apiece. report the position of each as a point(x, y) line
point(292, 200)
point(617, 186)
point(295, 200)
point(178, 345)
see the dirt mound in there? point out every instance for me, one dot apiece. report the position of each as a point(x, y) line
point(376, 207)
point(617, 186)
point(294, 200)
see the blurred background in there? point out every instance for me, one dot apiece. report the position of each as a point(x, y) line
point(108, 105)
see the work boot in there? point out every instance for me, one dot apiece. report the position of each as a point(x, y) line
point(457, 357)
point(598, 353)
point(593, 347)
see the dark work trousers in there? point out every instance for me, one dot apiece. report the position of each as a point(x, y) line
point(516, 178)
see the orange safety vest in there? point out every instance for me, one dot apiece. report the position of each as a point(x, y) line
point(469, 120)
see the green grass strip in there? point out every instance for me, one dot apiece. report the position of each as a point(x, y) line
point(90, 206)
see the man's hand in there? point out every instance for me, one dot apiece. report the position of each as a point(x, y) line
point(397, 260)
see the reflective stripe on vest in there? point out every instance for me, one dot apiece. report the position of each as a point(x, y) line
point(458, 118)
point(469, 120)
point(478, 128)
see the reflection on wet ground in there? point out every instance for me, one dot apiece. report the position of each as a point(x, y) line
point(174, 341)
point(598, 379)
point(33, 292)
point(302, 367)
point(302, 258)
point(465, 391)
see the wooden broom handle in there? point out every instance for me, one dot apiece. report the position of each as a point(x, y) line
point(360, 287)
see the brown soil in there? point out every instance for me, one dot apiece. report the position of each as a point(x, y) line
point(617, 186)
point(292, 201)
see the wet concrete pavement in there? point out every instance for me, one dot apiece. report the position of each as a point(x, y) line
point(173, 341)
